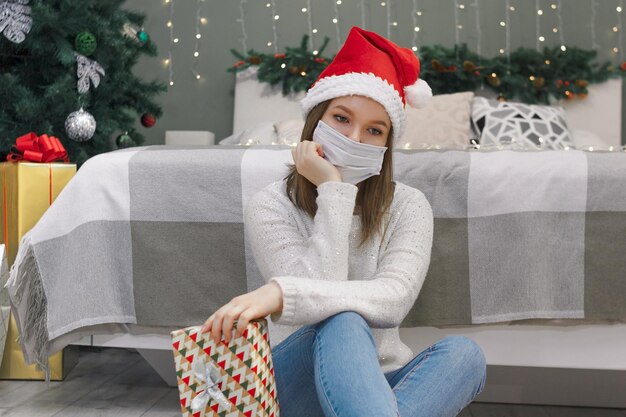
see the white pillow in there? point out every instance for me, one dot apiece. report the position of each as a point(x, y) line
point(259, 134)
point(445, 122)
point(289, 131)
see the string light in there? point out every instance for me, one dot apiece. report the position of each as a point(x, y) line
point(416, 28)
point(275, 17)
point(508, 31)
point(309, 19)
point(388, 5)
point(336, 20)
point(169, 61)
point(362, 6)
point(559, 16)
point(456, 27)
point(242, 21)
point(478, 28)
point(594, 10)
point(196, 53)
point(620, 42)
point(538, 25)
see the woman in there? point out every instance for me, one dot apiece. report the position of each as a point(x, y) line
point(345, 250)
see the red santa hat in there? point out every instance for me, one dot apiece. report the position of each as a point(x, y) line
point(372, 66)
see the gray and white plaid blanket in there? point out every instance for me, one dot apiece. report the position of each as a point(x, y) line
point(154, 236)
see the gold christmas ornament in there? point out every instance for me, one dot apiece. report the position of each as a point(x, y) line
point(581, 83)
point(494, 80)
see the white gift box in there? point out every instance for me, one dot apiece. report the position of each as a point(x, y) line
point(189, 137)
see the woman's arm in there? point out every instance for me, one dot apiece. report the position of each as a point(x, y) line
point(278, 246)
point(385, 300)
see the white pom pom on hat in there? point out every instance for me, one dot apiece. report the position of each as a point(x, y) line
point(372, 66)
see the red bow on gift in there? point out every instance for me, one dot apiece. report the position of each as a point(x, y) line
point(44, 148)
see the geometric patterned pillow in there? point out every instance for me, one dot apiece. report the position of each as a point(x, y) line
point(529, 125)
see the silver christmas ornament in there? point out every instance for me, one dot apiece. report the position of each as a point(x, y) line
point(87, 69)
point(15, 20)
point(80, 125)
point(131, 30)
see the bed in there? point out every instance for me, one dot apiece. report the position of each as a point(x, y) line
point(131, 237)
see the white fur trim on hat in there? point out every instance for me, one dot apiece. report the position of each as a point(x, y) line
point(418, 95)
point(359, 84)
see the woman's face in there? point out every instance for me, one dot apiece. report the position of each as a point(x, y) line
point(359, 118)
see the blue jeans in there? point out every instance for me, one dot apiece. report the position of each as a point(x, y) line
point(330, 369)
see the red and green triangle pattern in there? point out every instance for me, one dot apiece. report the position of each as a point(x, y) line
point(246, 366)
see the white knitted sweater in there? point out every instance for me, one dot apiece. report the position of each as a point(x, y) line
point(322, 271)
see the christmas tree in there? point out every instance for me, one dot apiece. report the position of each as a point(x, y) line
point(58, 56)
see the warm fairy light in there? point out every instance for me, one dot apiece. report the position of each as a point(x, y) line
point(198, 36)
point(416, 29)
point(169, 24)
point(532, 78)
point(316, 52)
point(547, 62)
point(541, 39)
point(502, 24)
point(563, 48)
point(539, 12)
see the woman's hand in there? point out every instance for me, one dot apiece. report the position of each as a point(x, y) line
point(253, 305)
point(310, 163)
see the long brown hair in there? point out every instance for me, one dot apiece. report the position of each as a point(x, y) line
point(375, 193)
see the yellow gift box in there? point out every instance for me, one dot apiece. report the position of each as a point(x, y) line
point(28, 189)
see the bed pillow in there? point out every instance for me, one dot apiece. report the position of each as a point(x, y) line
point(288, 132)
point(526, 126)
point(260, 134)
point(445, 122)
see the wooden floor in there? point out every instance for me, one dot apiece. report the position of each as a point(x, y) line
point(118, 382)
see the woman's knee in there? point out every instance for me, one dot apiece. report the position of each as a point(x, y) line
point(469, 355)
point(346, 319)
point(347, 323)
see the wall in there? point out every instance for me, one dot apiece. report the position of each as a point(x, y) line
point(207, 104)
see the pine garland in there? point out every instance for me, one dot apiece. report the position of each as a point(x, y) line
point(296, 69)
point(528, 75)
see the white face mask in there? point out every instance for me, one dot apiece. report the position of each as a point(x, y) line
point(355, 161)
